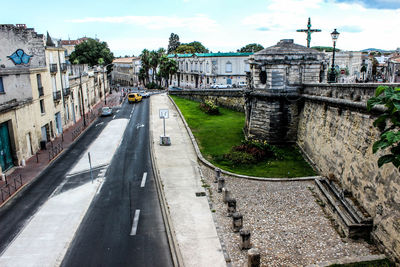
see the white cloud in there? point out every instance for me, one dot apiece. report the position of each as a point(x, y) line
point(198, 23)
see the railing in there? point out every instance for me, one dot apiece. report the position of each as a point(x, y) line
point(57, 95)
point(55, 150)
point(53, 68)
point(67, 91)
point(6, 189)
point(76, 132)
point(40, 89)
point(63, 66)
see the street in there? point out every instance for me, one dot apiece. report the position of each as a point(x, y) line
point(107, 217)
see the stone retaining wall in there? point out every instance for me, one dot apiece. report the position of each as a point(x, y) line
point(336, 132)
point(229, 98)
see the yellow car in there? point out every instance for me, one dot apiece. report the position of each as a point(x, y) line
point(134, 97)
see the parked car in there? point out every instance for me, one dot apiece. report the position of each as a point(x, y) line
point(134, 97)
point(106, 111)
point(221, 86)
point(174, 88)
point(242, 84)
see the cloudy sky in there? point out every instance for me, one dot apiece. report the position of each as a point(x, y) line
point(129, 26)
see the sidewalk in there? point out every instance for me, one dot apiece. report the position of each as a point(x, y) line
point(177, 167)
point(20, 176)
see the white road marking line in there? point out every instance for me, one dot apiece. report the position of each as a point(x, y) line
point(99, 124)
point(130, 116)
point(114, 116)
point(143, 179)
point(135, 222)
point(117, 111)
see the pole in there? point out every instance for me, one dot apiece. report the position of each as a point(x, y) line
point(104, 86)
point(90, 166)
point(164, 124)
point(82, 102)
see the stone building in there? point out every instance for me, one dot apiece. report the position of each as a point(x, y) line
point(276, 76)
point(347, 64)
point(123, 71)
point(393, 69)
point(201, 70)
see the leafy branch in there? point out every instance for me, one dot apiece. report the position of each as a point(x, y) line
point(388, 123)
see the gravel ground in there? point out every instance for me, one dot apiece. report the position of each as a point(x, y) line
point(287, 225)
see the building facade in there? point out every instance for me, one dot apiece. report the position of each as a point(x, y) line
point(202, 70)
point(348, 65)
point(123, 71)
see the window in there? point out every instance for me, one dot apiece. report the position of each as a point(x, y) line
point(187, 66)
point(246, 67)
point(39, 80)
point(201, 67)
point(1, 85)
point(208, 67)
point(228, 67)
point(53, 80)
point(42, 110)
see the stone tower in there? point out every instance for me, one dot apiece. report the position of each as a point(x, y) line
point(273, 95)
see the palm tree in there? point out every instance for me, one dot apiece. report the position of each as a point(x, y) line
point(145, 59)
point(168, 67)
point(154, 61)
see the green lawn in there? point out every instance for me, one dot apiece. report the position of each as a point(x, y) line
point(217, 134)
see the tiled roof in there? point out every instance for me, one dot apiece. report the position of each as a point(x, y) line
point(73, 42)
point(227, 54)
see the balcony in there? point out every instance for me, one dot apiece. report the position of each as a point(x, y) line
point(40, 89)
point(63, 67)
point(57, 95)
point(67, 91)
point(53, 68)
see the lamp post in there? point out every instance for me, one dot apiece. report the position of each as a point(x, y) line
point(104, 82)
point(332, 74)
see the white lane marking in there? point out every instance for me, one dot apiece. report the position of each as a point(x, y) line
point(114, 116)
point(130, 116)
point(143, 179)
point(117, 111)
point(135, 222)
point(99, 124)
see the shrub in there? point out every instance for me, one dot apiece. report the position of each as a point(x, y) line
point(153, 85)
point(209, 107)
point(240, 158)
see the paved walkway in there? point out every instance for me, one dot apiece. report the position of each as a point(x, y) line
point(191, 216)
point(19, 177)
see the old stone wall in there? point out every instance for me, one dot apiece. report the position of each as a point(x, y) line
point(231, 98)
point(335, 131)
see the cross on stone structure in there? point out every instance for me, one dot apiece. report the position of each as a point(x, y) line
point(309, 31)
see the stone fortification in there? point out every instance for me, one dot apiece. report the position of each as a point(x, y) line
point(335, 131)
point(229, 98)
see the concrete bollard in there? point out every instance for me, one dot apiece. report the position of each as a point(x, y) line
point(231, 206)
point(253, 258)
point(237, 222)
point(221, 184)
point(245, 239)
point(217, 174)
point(226, 194)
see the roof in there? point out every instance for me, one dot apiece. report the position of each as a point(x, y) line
point(286, 46)
point(124, 60)
point(219, 54)
point(73, 42)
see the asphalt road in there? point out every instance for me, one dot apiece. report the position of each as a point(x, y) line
point(124, 226)
point(113, 232)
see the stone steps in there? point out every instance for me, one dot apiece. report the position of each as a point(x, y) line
point(352, 220)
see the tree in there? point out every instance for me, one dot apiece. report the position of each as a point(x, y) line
point(173, 43)
point(145, 60)
point(91, 52)
point(325, 48)
point(168, 67)
point(198, 47)
point(389, 132)
point(185, 49)
point(154, 61)
point(251, 48)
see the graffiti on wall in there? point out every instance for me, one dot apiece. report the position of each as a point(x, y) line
point(19, 57)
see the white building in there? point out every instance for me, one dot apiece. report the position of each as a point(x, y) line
point(348, 64)
point(201, 70)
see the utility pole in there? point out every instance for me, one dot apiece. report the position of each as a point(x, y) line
point(82, 102)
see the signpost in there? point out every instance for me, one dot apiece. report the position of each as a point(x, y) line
point(164, 140)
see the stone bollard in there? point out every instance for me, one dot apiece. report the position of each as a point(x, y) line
point(253, 258)
point(237, 222)
point(217, 175)
point(226, 194)
point(245, 239)
point(221, 184)
point(231, 206)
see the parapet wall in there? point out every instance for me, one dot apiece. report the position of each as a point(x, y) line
point(229, 98)
point(336, 132)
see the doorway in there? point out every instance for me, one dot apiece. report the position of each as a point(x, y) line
point(6, 160)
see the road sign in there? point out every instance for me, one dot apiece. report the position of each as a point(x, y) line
point(164, 114)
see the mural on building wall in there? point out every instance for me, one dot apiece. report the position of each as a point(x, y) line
point(19, 57)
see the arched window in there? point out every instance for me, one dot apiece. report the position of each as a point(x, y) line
point(228, 67)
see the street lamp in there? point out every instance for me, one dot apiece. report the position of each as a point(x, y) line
point(332, 74)
point(104, 82)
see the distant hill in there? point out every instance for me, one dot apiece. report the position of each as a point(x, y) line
point(376, 49)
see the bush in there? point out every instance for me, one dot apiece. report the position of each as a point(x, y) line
point(240, 158)
point(209, 107)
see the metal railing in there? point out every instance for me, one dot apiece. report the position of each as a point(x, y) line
point(5, 190)
point(55, 150)
point(53, 68)
point(57, 95)
point(76, 132)
point(63, 66)
point(67, 91)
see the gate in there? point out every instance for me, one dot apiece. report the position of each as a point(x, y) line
point(6, 160)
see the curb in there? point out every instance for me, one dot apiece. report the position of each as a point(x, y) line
point(173, 243)
point(211, 166)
